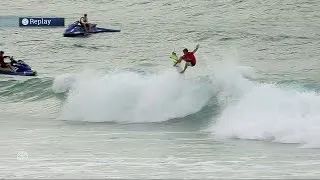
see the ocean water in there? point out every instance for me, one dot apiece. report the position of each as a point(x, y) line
point(112, 106)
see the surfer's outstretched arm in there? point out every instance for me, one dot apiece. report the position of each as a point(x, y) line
point(197, 47)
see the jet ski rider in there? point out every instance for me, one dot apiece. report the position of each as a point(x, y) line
point(2, 63)
point(84, 22)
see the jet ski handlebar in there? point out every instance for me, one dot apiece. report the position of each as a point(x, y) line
point(13, 60)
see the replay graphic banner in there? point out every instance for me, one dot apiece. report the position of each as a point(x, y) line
point(41, 22)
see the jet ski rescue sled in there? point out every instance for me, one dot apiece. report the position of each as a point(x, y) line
point(19, 68)
point(75, 29)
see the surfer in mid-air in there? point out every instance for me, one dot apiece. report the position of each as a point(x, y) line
point(188, 57)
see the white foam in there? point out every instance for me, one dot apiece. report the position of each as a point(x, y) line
point(267, 112)
point(63, 82)
point(132, 97)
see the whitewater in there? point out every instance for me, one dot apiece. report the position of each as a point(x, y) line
point(130, 97)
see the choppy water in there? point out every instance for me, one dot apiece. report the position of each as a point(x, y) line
point(111, 105)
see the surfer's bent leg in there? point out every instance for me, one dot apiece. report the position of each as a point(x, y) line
point(186, 66)
point(88, 26)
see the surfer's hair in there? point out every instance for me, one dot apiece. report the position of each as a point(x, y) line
point(185, 50)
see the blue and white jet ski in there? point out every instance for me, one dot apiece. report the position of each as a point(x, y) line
point(19, 68)
point(75, 29)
